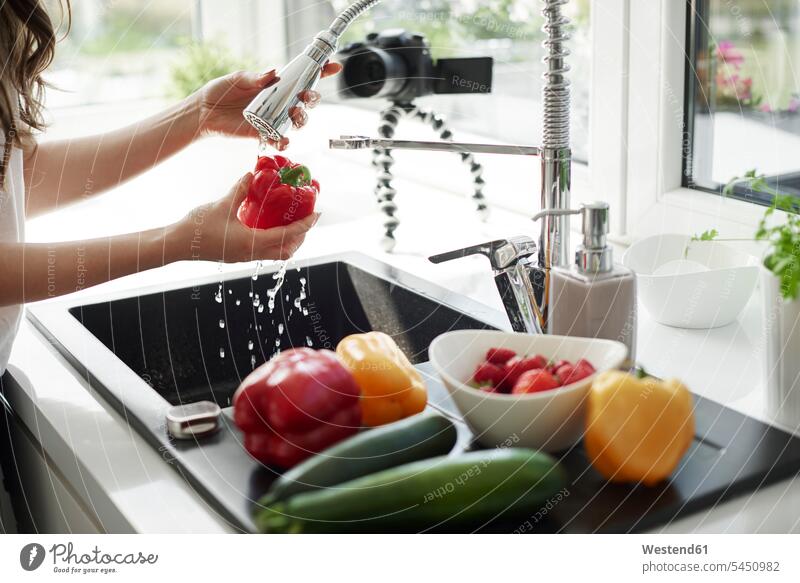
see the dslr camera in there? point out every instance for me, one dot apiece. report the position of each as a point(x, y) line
point(397, 65)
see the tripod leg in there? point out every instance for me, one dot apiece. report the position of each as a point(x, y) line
point(476, 170)
point(384, 191)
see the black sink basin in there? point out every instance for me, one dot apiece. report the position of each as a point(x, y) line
point(194, 344)
point(180, 345)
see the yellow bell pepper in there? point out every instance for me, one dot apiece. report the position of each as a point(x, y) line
point(637, 430)
point(391, 388)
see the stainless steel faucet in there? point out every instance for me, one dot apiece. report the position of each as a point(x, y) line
point(523, 282)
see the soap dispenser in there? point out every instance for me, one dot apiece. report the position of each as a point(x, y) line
point(594, 298)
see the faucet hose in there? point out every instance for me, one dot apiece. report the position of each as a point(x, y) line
point(349, 14)
point(556, 92)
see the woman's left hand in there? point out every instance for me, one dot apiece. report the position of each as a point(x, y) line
point(222, 101)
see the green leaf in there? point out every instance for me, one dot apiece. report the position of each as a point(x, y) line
point(709, 235)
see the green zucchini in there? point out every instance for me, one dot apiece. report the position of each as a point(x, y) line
point(467, 490)
point(409, 440)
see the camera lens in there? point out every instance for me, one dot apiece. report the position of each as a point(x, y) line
point(375, 73)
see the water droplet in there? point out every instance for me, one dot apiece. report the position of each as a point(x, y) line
point(230, 291)
point(238, 302)
point(279, 277)
point(222, 323)
point(287, 297)
point(305, 311)
point(218, 295)
point(309, 342)
point(252, 361)
point(261, 308)
point(280, 328)
point(277, 342)
point(221, 352)
point(250, 345)
point(250, 294)
point(258, 268)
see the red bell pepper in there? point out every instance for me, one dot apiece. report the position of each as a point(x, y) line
point(295, 405)
point(281, 193)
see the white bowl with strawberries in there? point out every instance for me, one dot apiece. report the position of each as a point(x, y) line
point(522, 390)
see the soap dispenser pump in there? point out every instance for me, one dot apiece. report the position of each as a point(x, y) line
point(594, 298)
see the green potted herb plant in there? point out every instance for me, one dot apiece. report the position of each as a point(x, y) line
point(781, 293)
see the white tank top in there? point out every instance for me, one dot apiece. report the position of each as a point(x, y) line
point(12, 229)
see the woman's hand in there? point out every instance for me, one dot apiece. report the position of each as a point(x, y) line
point(222, 101)
point(212, 232)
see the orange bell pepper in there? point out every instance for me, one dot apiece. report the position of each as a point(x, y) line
point(391, 388)
point(637, 430)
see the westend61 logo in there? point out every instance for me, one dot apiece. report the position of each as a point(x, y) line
point(66, 560)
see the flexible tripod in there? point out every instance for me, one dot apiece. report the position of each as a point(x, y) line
point(383, 161)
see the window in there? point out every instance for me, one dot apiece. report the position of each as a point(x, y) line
point(743, 98)
point(510, 32)
point(118, 50)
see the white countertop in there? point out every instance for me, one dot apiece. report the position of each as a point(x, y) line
point(129, 486)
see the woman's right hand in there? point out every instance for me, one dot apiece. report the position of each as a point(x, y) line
point(212, 232)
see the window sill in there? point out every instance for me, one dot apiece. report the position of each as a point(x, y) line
point(688, 212)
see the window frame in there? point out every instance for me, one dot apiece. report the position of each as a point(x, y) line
point(656, 199)
point(639, 51)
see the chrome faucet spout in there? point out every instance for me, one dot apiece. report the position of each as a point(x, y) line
point(364, 142)
point(524, 283)
point(513, 262)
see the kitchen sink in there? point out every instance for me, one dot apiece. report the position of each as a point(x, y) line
point(186, 343)
point(181, 344)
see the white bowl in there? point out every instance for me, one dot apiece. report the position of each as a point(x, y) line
point(706, 288)
point(550, 420)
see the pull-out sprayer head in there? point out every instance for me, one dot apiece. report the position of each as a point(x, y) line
point(270, 111)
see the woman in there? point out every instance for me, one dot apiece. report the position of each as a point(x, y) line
point(35, 178)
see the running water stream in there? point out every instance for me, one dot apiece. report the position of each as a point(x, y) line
point(272, 294)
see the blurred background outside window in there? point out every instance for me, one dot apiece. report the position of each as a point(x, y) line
point(124, 60)
point(128, 50)
point(744, 97)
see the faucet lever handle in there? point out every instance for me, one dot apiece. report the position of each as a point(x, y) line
point(502, 253)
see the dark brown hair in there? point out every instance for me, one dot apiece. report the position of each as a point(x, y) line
point(27, 45)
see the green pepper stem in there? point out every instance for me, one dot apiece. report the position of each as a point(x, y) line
point(297, 176)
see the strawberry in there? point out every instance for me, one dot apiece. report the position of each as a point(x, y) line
point(500, 355)
point(535, 381)
point(488, 373)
